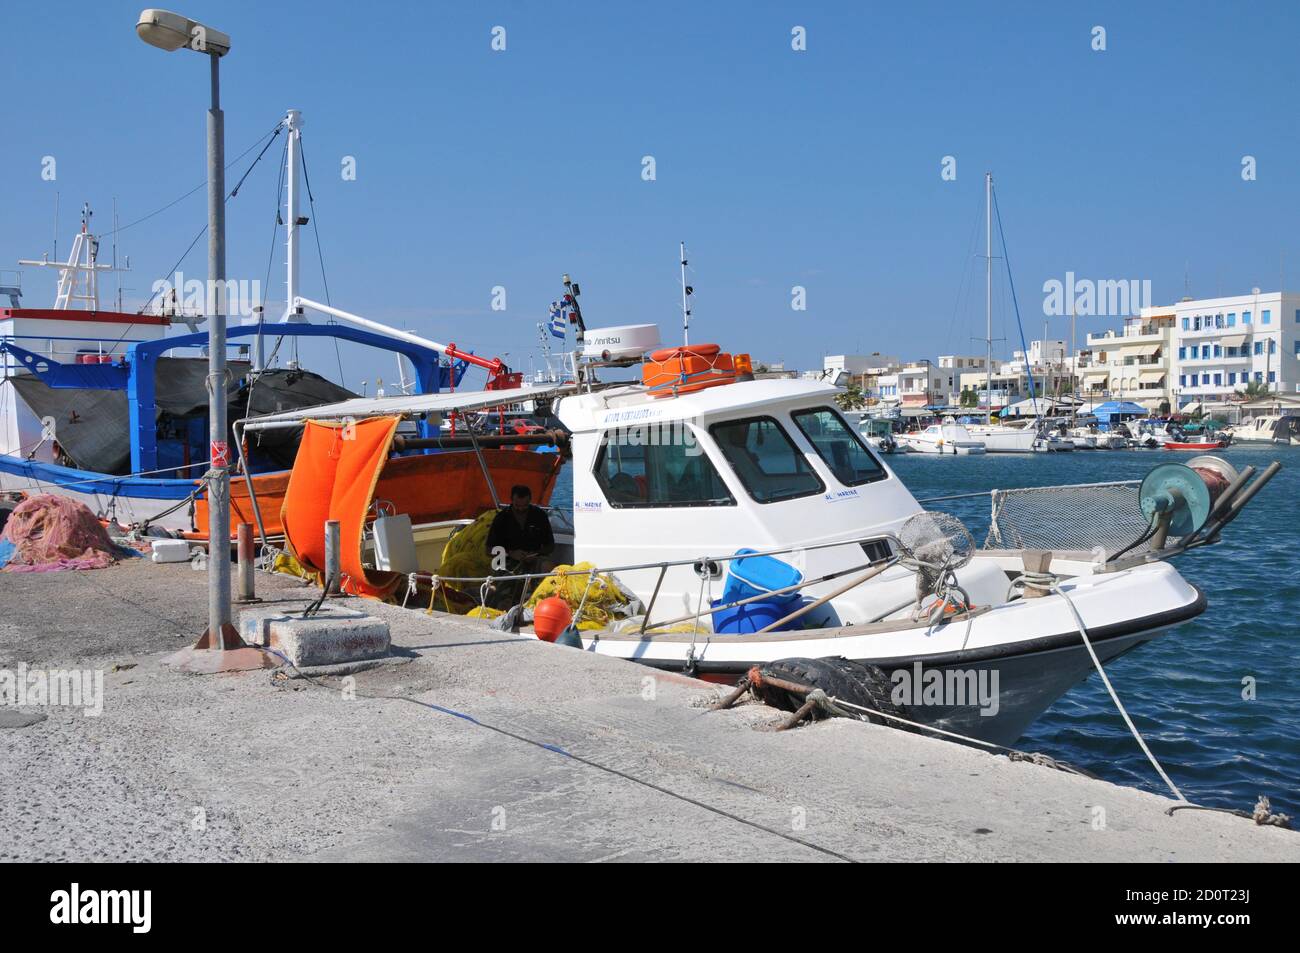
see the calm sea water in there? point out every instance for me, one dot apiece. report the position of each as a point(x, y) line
point(1184, 690)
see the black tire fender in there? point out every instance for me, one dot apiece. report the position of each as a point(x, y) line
point(857, 683)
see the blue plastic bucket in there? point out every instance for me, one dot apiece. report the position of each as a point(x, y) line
point(760, 575)
point(751, 617)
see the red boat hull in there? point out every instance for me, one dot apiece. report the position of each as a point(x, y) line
point(1195, 446)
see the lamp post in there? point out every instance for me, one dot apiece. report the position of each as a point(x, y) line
point(171, 31)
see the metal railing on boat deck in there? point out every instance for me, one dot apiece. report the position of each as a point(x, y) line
point(704, 566)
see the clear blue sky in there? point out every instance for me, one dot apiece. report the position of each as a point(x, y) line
point(819, 168)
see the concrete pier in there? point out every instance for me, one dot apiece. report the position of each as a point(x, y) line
point(486, 747)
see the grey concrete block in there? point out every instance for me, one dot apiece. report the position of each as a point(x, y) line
point(331, 636)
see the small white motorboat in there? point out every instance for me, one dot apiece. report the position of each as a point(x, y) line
point(1267, 429)
point(879, 434)
point(948, 437)
point(1090, 438)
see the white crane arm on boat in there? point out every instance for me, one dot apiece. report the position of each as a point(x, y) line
point(402, 405)
point(493, 365)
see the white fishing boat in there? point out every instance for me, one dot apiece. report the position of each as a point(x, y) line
point(879, 434)
point(687, 480)
point(949, 438)
point(1267, 429)
point(1090, 438)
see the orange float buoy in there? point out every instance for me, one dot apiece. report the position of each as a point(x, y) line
point(684, 370)
point(551, 617)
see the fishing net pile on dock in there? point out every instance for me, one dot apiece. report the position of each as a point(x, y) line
point(52, 533)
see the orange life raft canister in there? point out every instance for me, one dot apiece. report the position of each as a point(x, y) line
point(681, 370)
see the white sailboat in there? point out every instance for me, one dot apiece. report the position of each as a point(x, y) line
point(998, 437)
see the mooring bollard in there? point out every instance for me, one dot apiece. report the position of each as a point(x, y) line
point(246, 556)
point(333, 557)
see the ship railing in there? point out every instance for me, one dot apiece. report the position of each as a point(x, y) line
point(885, 546)
point(73, 347)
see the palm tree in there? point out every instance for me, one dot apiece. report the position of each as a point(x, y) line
point(852, 398)
point(1255, 389)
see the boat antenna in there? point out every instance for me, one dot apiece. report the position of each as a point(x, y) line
point(687, 291)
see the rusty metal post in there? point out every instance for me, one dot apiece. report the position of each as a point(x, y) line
point(333, 557)
point(246, 557)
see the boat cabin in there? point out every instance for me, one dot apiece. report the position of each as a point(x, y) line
point(754, 464)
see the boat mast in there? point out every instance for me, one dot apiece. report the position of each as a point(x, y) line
point(988, 292)
point(293, 147)
point(687, 291)
point(1076, 392)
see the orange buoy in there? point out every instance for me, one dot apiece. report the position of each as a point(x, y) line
point(551, 617)
point(697, 350)
point(683, 370)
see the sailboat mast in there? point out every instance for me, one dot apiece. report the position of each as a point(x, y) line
point(988, 289)
point(686, 309)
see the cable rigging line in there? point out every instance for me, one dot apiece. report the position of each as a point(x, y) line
point(320, 254)
point(1006, 257)
point(231, 163)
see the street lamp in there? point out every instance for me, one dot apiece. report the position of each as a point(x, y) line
point(171, 31)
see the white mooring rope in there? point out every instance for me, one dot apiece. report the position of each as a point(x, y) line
point(1083, 631)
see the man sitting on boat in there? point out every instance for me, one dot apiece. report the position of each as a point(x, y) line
point(519, 541)
point(522, 532)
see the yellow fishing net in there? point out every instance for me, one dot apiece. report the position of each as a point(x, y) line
point(466, 553)
point(603, 596)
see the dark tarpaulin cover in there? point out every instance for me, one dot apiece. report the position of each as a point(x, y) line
point(276, 391)
point(92, 426)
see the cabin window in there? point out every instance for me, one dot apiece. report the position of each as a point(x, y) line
point(658, 466)
point(765, 460)
point(839, 446)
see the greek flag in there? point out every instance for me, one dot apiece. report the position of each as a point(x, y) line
point(559, 323)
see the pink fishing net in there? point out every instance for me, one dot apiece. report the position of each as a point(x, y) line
point(52, 533)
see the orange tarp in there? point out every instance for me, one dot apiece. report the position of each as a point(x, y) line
point(334, 477)
point(428, 486)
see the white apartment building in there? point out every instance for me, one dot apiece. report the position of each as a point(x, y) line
point(858, 365)
point(920, 384)
point(1134, 364)
point(1222, 344)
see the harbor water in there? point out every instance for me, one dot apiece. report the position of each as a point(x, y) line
point(1189, 691)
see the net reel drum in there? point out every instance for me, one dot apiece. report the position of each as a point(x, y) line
point(1178, 499)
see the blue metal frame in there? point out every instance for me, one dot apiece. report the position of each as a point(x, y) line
point(57, 374)
point(143, 357)
point(136, 374)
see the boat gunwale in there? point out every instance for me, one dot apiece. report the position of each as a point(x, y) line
point(1164, 619)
